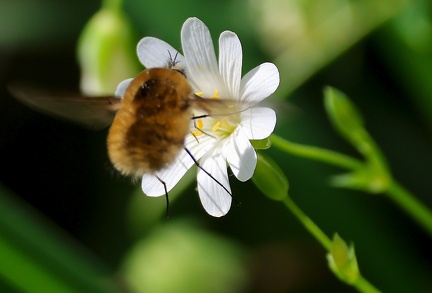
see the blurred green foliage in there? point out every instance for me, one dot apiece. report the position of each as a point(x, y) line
point(378, 52)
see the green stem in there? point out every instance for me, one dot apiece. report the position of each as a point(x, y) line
point(395, 191)
point(411, 205)
point(363, 285)
point(316, 153)
point(308, 223)
point(112, 4)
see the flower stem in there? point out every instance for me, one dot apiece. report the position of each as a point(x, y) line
point(405, 199)
point(112, 4)
point(361, 284)
point(308, 223)
point(411, 205)
point(316, 153)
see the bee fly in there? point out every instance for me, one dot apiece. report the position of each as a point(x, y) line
point(149, 124)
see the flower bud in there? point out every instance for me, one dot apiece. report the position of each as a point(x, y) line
point(270, 179)
point(342, 261)
point(344, 115)
point(369, 179)
point(106, 52)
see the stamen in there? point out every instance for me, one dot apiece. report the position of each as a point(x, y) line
point(197, 133)
point(216, 126)
point(199, 124)
point(215, 94)
point(199, 94)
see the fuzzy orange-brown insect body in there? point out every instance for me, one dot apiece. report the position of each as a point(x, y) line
point(149, 129)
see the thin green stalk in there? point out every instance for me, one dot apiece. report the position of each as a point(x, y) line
point(406, 200)
point(112, 4)
point(411, 205)
point(316, 153)
point(308, 223)
point(361, 283)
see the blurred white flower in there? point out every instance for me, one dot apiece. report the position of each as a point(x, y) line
point(218, 139)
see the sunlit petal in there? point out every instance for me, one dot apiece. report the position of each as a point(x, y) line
point(240, 155)
point(170, 175)
point(258, 123)
point(230, 63)
point(197, 44)
point(259, 83)
point(215, 200)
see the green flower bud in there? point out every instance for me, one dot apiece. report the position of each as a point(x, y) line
point(368, 179)
point(342, 261)
point(270, 179)
point(343, 114)
point(106, 52)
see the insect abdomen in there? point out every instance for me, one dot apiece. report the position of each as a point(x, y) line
point(149, 130)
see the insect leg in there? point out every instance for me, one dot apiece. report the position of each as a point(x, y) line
point(201, 116)
point(166, 194)
point(211, 176)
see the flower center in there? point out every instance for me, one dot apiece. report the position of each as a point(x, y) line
point(218, 126)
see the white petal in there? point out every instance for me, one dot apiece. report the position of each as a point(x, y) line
point(259, 83)
point(153, 52)
point(215, 200)
point(199, 145)
point(240, 155)
point(171, 175)
point(122, 87)
point(258, 122)
point(230, 63)
point(197, 44)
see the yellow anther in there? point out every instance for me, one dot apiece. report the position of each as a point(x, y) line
point(216, 126)
point(197, 133)
point(199, 124)
point(215, 94)
point(199, 94)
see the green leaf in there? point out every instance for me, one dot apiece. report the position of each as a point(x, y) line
point(36, 256)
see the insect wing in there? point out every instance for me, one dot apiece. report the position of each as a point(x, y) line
point(218, 107)
point(90, 112)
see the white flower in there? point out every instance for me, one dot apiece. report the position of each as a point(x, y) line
point(219, 139)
